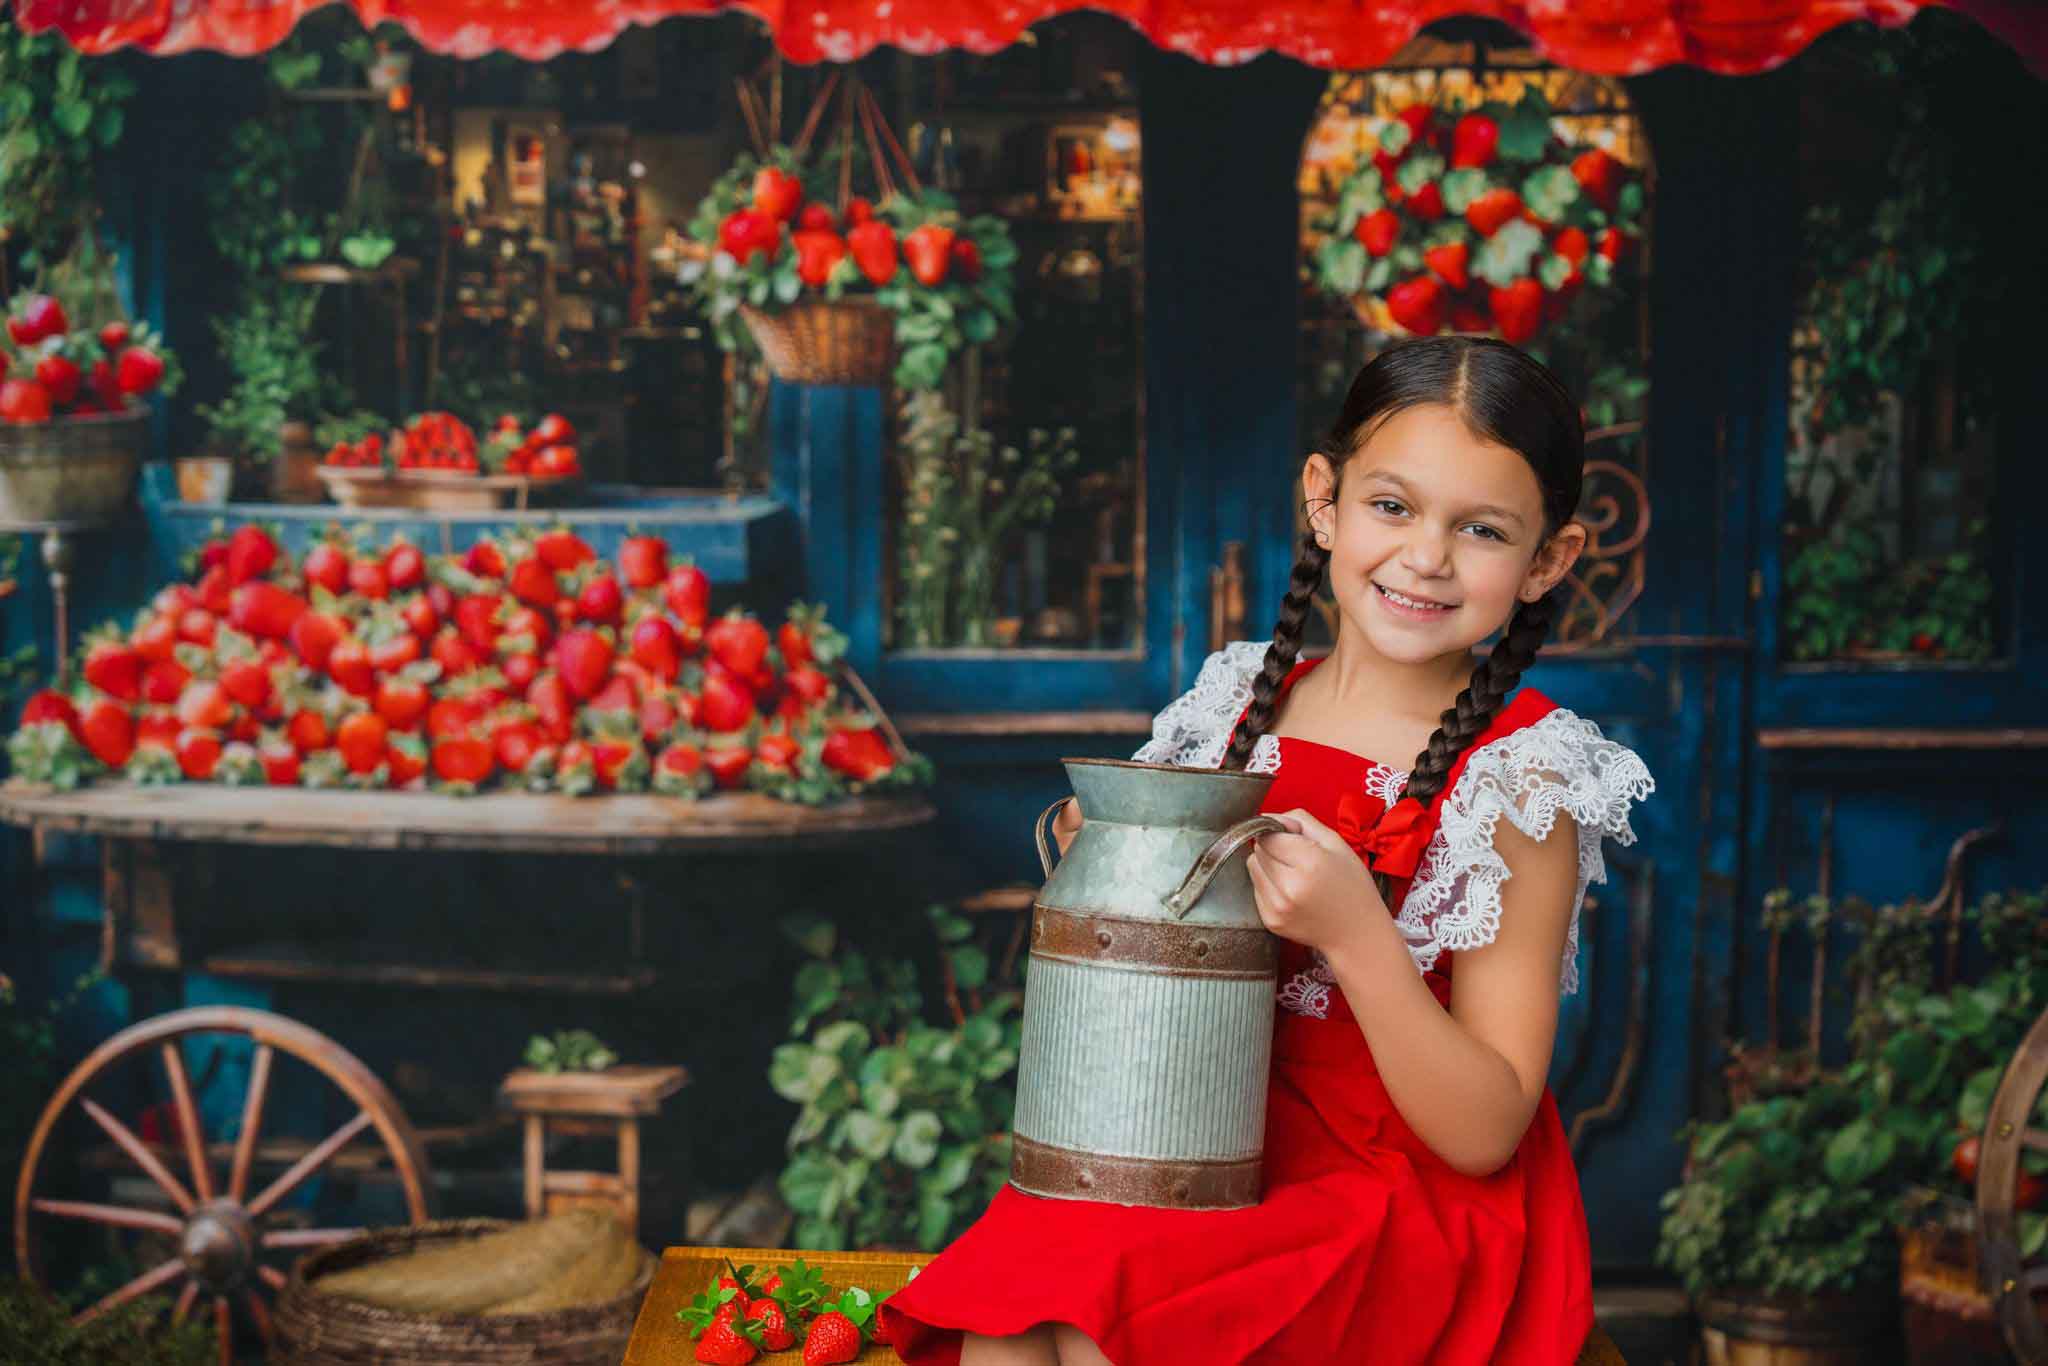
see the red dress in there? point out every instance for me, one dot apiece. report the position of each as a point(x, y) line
point(1366, 1247)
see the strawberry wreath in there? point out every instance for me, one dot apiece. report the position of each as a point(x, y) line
point(1480, 220)
point(838, 288)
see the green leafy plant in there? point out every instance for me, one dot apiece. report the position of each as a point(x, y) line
point(275, 361)
point(1845, 597)
point(17, 667)
point(568, 1050)
point(36, 1330)
point(963, 498)
point(58, 112)
point(903, 1137)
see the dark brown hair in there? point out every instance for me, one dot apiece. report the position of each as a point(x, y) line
point(1506, 398)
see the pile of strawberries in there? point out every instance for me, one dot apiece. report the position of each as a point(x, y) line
point(53, 370)
point(739, 1318)
point(444, 443)
point(777, 216)
point(525, 662)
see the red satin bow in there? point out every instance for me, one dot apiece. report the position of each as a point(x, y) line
point(1391, 844)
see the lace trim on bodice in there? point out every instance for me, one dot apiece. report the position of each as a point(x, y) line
point(1559, 763)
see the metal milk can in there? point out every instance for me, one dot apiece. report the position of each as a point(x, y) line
point(1148, 1005)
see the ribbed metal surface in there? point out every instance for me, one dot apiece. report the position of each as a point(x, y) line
point(1144, 1065)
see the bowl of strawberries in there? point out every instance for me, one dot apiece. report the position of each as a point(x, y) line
point(73, 424)
point(436, 461)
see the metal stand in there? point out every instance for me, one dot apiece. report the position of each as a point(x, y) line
point(57, 557)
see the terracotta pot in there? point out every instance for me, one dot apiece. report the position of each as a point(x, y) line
point(205, 478)
point(1739, 1328)
point(71, 469)
point(295, 469)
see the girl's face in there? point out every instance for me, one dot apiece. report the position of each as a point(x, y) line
point(1434, 535)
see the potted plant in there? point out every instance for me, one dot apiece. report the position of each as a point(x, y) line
point(1477, 220)
point(76, 370)
point(829, 285)
point(276, 390)
point(904, 1133)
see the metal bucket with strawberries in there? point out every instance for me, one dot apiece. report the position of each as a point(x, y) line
point(1148, 1007)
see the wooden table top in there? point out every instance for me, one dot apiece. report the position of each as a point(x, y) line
point(626, 1089)
point(505, 822)
point(660, 1340)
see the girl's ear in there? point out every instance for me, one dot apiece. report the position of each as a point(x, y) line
point(1319, 496)
point(1553, 561)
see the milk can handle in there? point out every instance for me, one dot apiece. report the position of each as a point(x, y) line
point(1038, 829)
point(1214, 857)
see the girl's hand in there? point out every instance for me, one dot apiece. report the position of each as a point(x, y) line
point(1311, 887)
point(1067, 824)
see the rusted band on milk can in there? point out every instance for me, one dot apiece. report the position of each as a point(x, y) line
point(1064, 1174)
point(1172, 948)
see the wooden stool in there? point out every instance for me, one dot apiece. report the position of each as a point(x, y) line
point(592, 1104)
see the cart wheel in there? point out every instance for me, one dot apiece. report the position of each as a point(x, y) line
point(221, 1232)
point(2008, 1131)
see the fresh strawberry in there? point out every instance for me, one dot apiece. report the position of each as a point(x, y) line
point(532, 582)
point(621, 764)
point(106, 730)
point(659, 715)
point(1377, 231)
point(601, 601)
point(245, 728)
point(197, 626)
point(1427, 203)
point(1599, 175)
point(1614, 244)
point(401, 700)
point(361, 740)
point(776, 1335)
point(554, 707)
point(679, 771)
point(405, 760)
point(156, 639)
point(725, 1343)
point(464, 761)
point(368, 579)
point(484, 560)
point(1418, 305)
point(455, 655)
point(562, 550)
point(404, 567)
point(477, 618)
point(966, 260)
point(204, 703)
point(1449, 261)
point(778, 751)
point(251, 553)
point(833, 1338)
point(139, 370)
point(198, 751)
point(42, 316)
point(777, 193)
point(114, 335)
point(575, 769)
point(1488, 211)
point(394, 652)
point(858, 211)
point(1473, 141)
point(449, 717)
point(747, 232)
point(114, 668)
point(348, 664)
point(60, 378)
point(873, 244)
point(157, 726)
point(314, 636)
point(514, 743)
point(815, 217)
point(859, 753)
point(261, 609)
point(1572, 245)
point(50, 705)
point(818, 254)
point(929, 249)
point(246, 681)
point(729, 764)
point(738, 642)
point(803, 689)
point(584, 659)
point(688, 594)
point(657, 648)
point(420, 617)
point(724, 705)
point(520, 669)
point(106, 386)
point(643, 561)
point(1417, 117)
point(280, 760)
point(1517, 310)
point(308, 731)
point(164, 681)
point(326, 567)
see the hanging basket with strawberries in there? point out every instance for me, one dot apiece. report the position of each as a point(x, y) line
point(1478, 220)
point(835, 288)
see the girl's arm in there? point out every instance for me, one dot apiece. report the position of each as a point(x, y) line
point(1466, 1080)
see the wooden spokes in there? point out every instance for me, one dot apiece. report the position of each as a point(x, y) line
point(221, 1236)
point(2009, 1134)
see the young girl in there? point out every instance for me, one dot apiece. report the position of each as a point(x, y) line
point(1420, 1202)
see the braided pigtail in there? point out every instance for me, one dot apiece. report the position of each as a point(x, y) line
point(1281, 654)
point(1481, 701)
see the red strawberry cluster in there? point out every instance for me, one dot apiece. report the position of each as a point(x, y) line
point(436, 441)
point(843, 247)
point(738, 1318)
point(54, 369)
point(527, 661)
point(548, 451)
point(444, 443)
point(1481, 221)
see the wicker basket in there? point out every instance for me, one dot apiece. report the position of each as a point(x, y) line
point(818, 341)
point(326, 1330)
point(70, 469)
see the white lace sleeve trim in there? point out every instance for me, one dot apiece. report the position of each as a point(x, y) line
point(1560, 763)
point(1194, 730)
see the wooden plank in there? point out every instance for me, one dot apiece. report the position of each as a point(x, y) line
point(1027, 723)
point(1902, 739)
point(502, 822)
point(452, 977)
point(628, 1090)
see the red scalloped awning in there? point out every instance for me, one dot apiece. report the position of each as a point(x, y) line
point(1610, 37)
